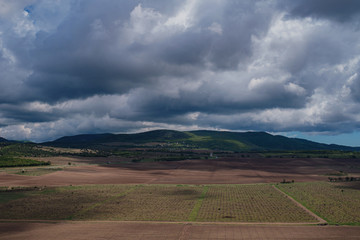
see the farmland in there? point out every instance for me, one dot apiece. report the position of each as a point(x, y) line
point(338, 203)
point(210, 203)
point(54, 203)
point(148, 203)
point(249, 203)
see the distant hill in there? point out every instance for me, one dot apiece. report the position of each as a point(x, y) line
point(122, 139)
point(3, 140)
point(215, 140)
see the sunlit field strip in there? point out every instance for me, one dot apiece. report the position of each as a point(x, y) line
point(338, 203)
point(249, 203)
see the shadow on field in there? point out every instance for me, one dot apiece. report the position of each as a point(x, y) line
point(274, 165)
point(181, 192)
point(160, 173)
point(348, 185)
point(7, 228)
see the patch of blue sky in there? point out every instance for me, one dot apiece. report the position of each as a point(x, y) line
point(29, 9)
point(346, 139)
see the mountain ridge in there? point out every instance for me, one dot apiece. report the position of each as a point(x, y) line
point(3, 140)
point(207, 139)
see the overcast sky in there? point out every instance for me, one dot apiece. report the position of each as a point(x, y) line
point(91, 66)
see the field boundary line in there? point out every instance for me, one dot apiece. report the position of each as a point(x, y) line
point(165, 222)
point(320, 220)
point(198, 204)
point(103, 202)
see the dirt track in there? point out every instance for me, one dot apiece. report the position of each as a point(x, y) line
point(168, 231)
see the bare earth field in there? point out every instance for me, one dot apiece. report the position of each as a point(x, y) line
point(211, 171)
point(168, 231)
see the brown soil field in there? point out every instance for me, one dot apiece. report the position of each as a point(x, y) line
point(168, 231)
point(211, 171)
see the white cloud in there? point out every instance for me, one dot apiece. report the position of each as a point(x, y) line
point(185, 16)
point(215, 28)
point(294, 88)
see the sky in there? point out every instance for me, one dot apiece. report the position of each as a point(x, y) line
point(88, 66)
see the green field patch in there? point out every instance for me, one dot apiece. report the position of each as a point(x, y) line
point(195, 211)
point(215, 142)
point(337, 203)
point(6, 161)
point(249, 203)
point(197, 138)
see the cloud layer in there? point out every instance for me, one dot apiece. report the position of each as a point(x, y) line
point(70, 67)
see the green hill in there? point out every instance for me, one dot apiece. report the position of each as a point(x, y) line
point(203, 139)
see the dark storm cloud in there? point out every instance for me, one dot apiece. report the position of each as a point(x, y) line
point(339, 10)
point(355, 86)
point(71, 67)
point(18, 114)
point(212, 99)
point(97, 49)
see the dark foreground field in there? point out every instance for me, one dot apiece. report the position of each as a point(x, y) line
point(168, 231)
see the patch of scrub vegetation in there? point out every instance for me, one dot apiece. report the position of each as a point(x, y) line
point(337, 203)
point(6, 161)
point(312, 154)
point(127, 154)
point(337, 173)
point(23, 150)
point(17, 155)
